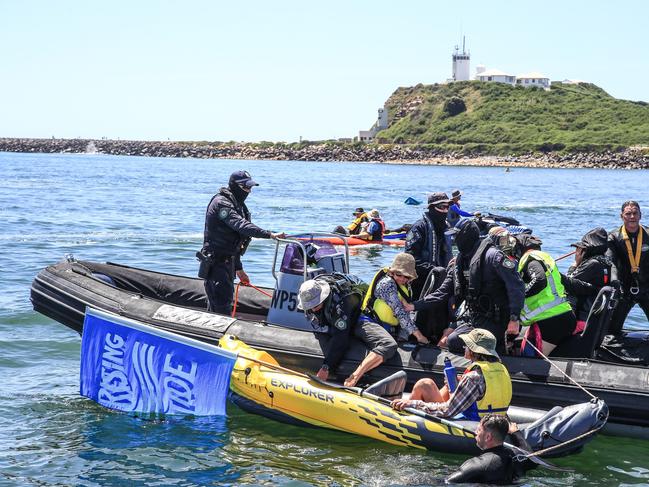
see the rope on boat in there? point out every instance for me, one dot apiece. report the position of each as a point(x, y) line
point(236, 295)
point(562, 372)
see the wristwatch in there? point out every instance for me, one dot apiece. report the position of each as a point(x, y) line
point(325, 367)
point(514, 318)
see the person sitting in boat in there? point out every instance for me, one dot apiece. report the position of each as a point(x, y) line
point(333, 305)
point(546, 305)
point(497, 464)
point(628, 249)
point(591, 266)
point(486, 280)
point(375, 228)
point(426, 240)
point(354, 228)
point(454, 211)
point(387, 297)
point(485, 386)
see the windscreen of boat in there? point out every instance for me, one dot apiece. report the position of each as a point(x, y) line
point(169, 288)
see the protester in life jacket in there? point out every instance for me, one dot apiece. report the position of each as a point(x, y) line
point(497, 464)
point(454, 211)
point(333, 306)
point(426, 240)
point(486, 280)
point(375, 228)
point(388, 296)
point(485, 383)
point(354, 228)
point(228, 231)
point(546, 303)
point(591, 266)
point(628, 249)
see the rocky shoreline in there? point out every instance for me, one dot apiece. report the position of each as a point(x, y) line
point(313, 151)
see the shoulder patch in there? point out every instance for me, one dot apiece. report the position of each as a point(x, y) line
point(341, 324)
point(508, 263)
point(223, 213)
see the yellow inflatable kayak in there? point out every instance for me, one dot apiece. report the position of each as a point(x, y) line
point(298, 400)
point(292, 397)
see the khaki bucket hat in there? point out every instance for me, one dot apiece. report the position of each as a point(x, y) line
point(405, 264)
point(480, 341)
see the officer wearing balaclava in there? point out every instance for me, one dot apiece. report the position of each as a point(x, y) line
point(487, 280)
point(228, 231)
point(426, 240)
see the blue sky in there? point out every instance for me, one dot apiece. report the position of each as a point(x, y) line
point(261, 70)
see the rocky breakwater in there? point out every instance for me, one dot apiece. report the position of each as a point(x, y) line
point(637, 158)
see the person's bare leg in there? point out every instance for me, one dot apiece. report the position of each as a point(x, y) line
point(372, 360)
point(547, 348)
point(426, 390)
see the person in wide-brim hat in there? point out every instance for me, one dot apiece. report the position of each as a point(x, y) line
point(485, 384)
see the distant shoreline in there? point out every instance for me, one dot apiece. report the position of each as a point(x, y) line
point(326, 152)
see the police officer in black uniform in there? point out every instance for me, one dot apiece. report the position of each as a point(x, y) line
point(333, 307)
point(487, 280)
point(228, 231)
point(628, 249)
point(426, 240)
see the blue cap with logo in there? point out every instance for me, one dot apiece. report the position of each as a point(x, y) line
point(243, 179)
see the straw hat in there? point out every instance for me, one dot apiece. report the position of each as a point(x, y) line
point(405, 264)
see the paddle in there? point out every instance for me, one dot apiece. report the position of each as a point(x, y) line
point(361, 392)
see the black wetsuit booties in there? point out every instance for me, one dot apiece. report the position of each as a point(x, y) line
point(494, 466)
point(427, 243)
point(228, 232)
point(486, 279)
point(634, 285)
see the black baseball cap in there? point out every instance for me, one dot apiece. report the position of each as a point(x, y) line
point(243, 179)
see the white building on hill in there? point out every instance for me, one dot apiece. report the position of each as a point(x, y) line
point(461, 64)
point(380, 124)
point(494, 75)
point(533, 79)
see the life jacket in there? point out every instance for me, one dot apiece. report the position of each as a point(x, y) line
point(378, 309)
point(468, 279)
point(355, 226)
point(377, 235)
point(342, 303)
point(498, 392)
point(549, 302)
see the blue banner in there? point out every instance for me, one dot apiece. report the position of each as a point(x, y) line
point(129, 366)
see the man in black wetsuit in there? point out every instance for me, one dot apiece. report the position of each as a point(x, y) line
point(487, 280)
point(333, 307)
point(228, 231)
point(426, 240)
point(628, 249)
point(496, 464)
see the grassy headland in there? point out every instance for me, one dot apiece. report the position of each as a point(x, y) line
point(473, 117)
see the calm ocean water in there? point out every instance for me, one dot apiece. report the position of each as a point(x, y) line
point(149, 212)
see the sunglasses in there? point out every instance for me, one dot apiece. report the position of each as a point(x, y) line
point(399, 274)
point(443, 206)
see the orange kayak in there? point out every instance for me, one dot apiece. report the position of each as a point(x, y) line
point(352, 241)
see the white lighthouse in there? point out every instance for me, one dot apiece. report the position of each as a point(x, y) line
point(461, 64)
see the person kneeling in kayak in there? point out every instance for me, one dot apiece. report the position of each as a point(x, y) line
point(485, 386)
point(496, 464)
point(375, 228)
point(333, 305)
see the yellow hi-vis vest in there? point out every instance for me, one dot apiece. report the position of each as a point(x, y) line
point(380, 308)
point(551, 301)
point(498, 394)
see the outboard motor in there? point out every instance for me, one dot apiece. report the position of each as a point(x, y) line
point(321, 258)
